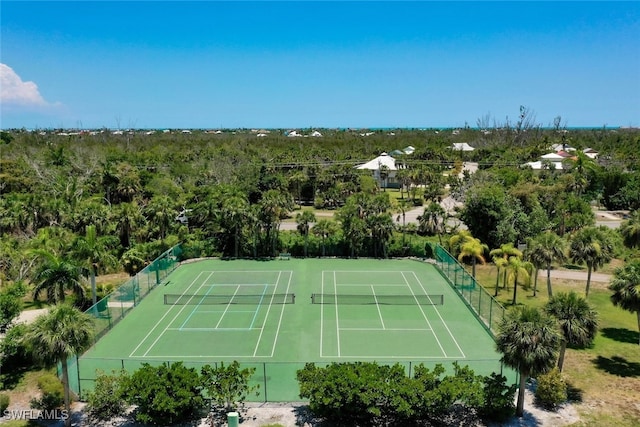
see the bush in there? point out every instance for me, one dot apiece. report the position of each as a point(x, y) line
point(551, 390)
point(164, 394)
point(498, 404)
point(52, 396)
point(107, 398)
point(227, 386)
point(4, 402)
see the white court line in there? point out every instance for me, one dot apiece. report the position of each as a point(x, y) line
point(275, 339)
point(335, 291)
point(440, 316)
point(424, 314)
point(366, 284)
point(212, 329)
point(165, 315)
point(377, 306)
point(222, 285)
point(228, 305)
point(255, 350)
point(386, 329)
point(222, 311)
point(411, 357)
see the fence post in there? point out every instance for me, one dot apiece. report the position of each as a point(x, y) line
point(264, 375)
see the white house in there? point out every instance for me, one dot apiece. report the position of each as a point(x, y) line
point(382, 163)
point(316, 134)
point(462, 146)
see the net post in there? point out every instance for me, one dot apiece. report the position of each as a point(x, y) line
point(264, 375)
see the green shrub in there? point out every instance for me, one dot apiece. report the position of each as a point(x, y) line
point(551, 390)
point(107, 398)
point(52, 396)
point(164, 394)
point(498, 404)
point(4, 402)
point(227, 386)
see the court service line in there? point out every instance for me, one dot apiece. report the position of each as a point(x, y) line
point(227, 308)
point(255, 350)
point(377, 284)
point(424, 314)
point(212, 329)
point(386, 329)
point(275, 339)
point(335, 291)
point(196, 307)
point(264, 291)
point(230, 285)
point(441, 319)
point(165, 315)
point(377, 306)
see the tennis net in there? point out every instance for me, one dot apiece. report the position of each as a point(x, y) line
point(202, 299)
point(356, 299)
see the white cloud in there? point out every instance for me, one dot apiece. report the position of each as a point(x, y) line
point(13, 91)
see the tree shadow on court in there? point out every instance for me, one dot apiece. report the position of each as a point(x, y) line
point(621, 335)
point(617, 365)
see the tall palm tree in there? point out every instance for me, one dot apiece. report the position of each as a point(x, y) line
point(381, 226)
point(519, 272)
point(433, 220)
point(58, 335)
point(626, 289)
point(324, 228)
point(578, 321)
point(546, 249)
point(630, 230)
point(475, 250)
point(501, 264)
point(94, 252)
point(528, 340)
point(55, 276)
point(457, 240)
point(303, 219)
point(592, 246)
point(505, 251)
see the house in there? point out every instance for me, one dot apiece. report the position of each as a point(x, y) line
point(461, 146)
point(550, 161)
point(590, 153)
point(316, 134)
point(382, 164)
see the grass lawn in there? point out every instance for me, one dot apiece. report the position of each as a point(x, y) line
point(606, 377)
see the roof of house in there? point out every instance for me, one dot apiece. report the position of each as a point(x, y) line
point(382, 160)
point(539, 165)
point(462, 146)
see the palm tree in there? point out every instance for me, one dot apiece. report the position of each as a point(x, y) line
point(500, 263)
point(55, 276)
point(303, 219)
point(95, 253)
point(505, 252)
point(630, 230)
point(381, 226)
point(578, 321)
point(457, 240)
point(58, 335)
point(519, 272)
point(474, 249)
point(546, 249)
point(626, 289)
point(433, 220)
point(591, 246)
point(528, 340)
point(323, 229)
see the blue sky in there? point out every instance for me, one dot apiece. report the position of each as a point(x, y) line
point(317, 64)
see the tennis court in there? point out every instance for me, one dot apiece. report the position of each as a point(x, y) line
point(278, 315)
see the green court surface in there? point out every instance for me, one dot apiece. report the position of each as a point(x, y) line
point(261, 313)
